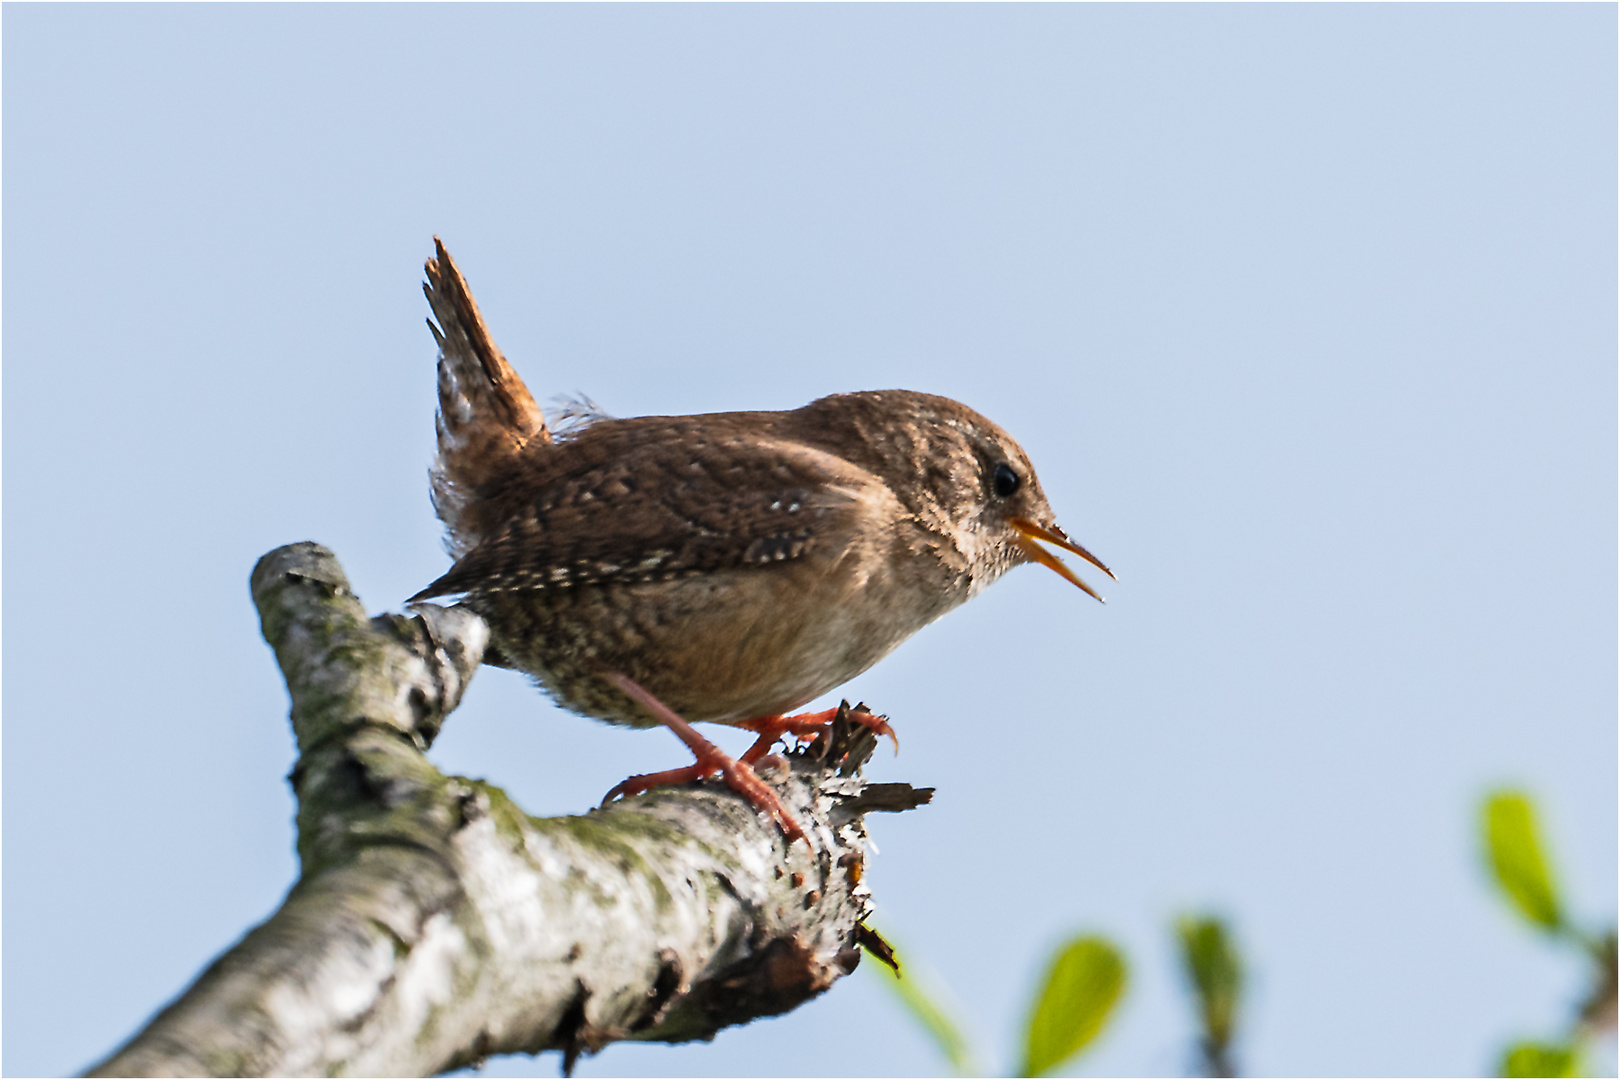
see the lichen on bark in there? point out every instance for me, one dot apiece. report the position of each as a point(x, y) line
point(434, 924)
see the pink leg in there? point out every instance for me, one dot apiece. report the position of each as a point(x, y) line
point(806, 725)
point(739, 775)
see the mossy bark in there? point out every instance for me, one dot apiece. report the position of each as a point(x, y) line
point(434, 923)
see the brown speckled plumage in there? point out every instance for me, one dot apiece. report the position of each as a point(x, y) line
point(735, 565)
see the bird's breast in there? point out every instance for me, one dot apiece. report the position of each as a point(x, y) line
point(733, 644)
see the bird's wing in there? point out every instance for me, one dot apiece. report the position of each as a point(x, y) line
point(665, 511)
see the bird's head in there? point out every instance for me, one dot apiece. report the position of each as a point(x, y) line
point(963, 477)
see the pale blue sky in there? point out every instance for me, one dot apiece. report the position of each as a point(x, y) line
point(1306, 316)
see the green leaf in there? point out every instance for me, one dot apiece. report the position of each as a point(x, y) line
point(1216, 973)
point(1082, 987)
point(1513, 845)
point(927, 1012)
point(1541, 1059)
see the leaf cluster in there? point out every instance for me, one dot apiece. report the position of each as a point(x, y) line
point(1087, 975)
point(1518, 863)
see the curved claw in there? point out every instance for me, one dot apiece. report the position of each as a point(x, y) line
point(878, 725)
point(635, 785)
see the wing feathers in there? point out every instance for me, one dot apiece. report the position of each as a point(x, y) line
point(756, 503)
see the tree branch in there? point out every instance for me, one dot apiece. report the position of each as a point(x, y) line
point(434, 924)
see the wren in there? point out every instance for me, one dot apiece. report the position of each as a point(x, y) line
point(725, 567)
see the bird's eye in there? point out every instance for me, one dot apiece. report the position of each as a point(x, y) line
point(1006, 481)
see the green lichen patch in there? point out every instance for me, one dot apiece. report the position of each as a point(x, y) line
point(617, 838)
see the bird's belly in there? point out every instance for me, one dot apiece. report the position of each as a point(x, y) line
point(721, 646)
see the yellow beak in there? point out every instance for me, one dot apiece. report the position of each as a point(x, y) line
point(1028, 535)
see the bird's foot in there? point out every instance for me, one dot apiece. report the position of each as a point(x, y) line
point(737, 773)
point(805, 726)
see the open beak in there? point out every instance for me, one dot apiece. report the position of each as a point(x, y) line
point(1028, 535)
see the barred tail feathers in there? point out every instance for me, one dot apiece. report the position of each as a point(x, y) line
point(486, 415)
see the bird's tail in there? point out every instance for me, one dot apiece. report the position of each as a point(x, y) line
point(486, 415)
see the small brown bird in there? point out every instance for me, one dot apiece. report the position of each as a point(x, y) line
point(727, 567)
